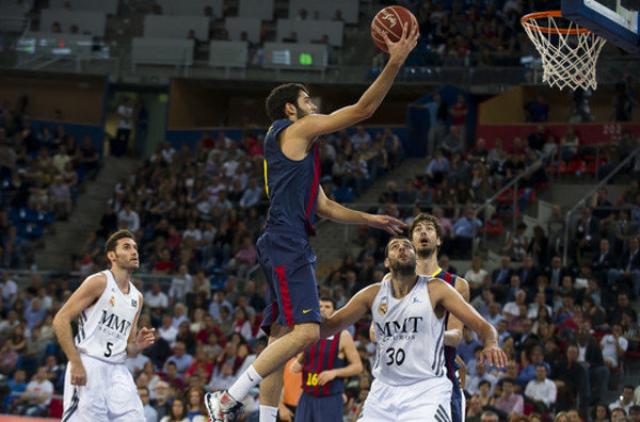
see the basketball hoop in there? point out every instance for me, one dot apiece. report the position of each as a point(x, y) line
point(569, 53)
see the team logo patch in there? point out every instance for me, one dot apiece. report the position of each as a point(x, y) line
point(112, 301)
point(134, 303)
point(382, 308)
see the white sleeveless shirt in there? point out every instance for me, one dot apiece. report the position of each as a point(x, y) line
point(409, 336)
point(104, 327)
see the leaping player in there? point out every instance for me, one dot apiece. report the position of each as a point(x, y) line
point(292, 173)
point(97, 384)
point(409, 318)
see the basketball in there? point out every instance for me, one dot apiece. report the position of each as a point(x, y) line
point(390, 20)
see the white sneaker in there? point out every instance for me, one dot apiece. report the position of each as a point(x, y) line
point(222, 407)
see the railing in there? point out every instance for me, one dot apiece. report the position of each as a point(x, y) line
point(589, 195)
point(461, 75)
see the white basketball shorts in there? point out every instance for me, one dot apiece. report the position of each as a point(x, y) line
point(428, 400)
point(110, 394)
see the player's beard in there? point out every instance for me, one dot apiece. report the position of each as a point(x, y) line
point(424, 253)
point(126, 263)
point(300, 113)
point(403, 269)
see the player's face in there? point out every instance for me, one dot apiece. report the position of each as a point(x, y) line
point(326, 309)
point(305, 105)
point(125, 255)
point(401, 257)
point(425, 239)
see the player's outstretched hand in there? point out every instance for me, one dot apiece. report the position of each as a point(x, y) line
point(78, 374)
point(387, 223)
point(399, 50)
point(146, 337)
point(494, 355)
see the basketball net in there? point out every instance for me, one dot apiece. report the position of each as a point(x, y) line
point(569, 53)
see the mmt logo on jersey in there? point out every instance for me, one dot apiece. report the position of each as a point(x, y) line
point(391, 328)
point(111, 320)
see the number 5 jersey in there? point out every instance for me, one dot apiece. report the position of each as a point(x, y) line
point(104, 327)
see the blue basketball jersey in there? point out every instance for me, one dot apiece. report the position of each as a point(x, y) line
point(292, 186)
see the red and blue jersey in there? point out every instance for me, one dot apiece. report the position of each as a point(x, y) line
point(449, 352)
point(292, 186)
point(322, 356)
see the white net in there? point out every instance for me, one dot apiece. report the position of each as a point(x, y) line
point(569, 53)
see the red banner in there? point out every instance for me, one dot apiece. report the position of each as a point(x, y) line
point(588, 133)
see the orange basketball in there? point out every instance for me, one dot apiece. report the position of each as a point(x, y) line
point(390, 20)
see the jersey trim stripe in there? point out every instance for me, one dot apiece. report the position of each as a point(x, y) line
point(310, 365)
point(319, 359)
point(442, 413)
point(75, 400)
point(436, 356)
point(332, 358)
point(286, 297)
point(266, 179)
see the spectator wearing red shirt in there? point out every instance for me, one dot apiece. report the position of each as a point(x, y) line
point(459, 113)
point(201, 365)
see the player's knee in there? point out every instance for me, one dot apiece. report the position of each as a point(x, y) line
point(308, 334)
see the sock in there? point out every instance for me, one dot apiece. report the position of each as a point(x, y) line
point(244, 383)
point(268, 414)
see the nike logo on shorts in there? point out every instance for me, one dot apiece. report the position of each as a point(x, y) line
point(306, 311)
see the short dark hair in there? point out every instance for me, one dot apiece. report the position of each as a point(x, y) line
point(425, 218)
point(112, 241)
point(329, 299)
point(280, 96)
point(509, 380)
point(386, 248)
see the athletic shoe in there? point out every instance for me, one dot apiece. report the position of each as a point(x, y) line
point(222, 407)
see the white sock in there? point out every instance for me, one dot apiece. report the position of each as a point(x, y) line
point(244, 383)
point(268, 413)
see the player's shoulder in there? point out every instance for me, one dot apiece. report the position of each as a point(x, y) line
point(345, 335)
point(95, 284)
point(369, 293)
point(98, 279)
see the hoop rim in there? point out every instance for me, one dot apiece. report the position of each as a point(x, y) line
point(529, 22)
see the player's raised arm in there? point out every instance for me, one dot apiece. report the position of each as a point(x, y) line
point(447, 297)
point(333, 211)
point(88, 292)
point(315, 125)
point(355, 309)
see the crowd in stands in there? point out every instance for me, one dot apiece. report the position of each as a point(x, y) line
point(41, 170)
point(557, 323)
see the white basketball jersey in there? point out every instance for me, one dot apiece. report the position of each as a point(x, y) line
point(409, 336)
point(104, 327)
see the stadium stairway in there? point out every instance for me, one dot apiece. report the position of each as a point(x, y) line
point(68, 237)
point(334, 240)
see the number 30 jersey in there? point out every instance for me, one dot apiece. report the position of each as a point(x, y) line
point(409, 336)
point(104, 327)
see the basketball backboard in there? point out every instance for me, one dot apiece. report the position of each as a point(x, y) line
point(615, 20)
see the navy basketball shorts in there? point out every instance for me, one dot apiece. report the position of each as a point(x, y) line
point(458, 404)
point(319, 409)
point(289, 265)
